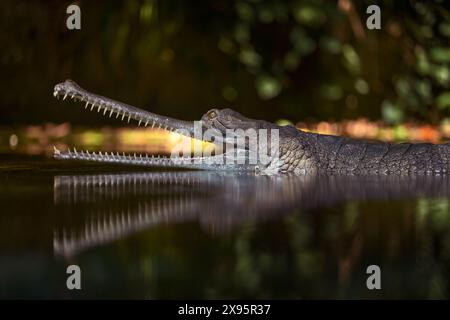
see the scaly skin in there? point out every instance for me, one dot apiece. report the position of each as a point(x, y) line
point(298, 152)
point(326, 153)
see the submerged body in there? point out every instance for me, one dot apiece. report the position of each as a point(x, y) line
point(337, 154)
point(297, 151)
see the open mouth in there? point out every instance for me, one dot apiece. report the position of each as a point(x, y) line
point(124, 112)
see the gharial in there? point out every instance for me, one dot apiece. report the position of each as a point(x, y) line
point(299, 152)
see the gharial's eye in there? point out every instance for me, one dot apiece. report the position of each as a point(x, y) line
point(212, 114)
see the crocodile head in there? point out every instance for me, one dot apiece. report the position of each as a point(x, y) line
point(242, 144)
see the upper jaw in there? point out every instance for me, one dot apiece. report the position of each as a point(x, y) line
point(68, 88)
point(121, 110)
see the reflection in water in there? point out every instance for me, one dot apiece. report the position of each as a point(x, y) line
point(119, 205)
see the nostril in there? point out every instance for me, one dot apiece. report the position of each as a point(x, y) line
point(70, 85)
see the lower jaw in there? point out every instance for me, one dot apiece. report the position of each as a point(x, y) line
point(217, 162)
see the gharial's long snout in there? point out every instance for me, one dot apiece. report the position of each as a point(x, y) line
point(123, 111)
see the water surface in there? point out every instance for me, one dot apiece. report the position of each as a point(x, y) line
point(190, 234)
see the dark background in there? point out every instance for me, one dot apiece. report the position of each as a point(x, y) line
point(298, 60)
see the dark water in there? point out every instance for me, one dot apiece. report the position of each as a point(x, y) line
point(153, 234)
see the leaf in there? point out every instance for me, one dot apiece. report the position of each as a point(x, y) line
point(351, 58)
point(268, 87)
point(440, 54)
point(250, 58)
point(309, 15)
point(391, 112)
point(443, 100)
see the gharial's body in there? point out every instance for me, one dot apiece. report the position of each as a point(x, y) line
point(338, 154)
point(298, 151)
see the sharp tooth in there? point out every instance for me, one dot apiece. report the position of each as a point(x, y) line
point(146, 123)
point(123, 116)
point(118, 114)
point(87, 104)
point(55, 93)
point(73, 95)
point(93, 105)
point(65, 96)
point(139, 123)
point(110, 114)
point(75, 150)
point(106, 109)
point(153, 124)
point(129, 117)
point(99, 107)
point(56, 151)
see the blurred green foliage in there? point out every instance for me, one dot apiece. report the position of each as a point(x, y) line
point(295, 59)
point(417, 86)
